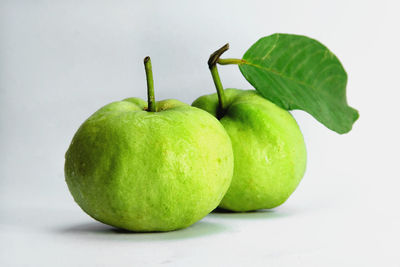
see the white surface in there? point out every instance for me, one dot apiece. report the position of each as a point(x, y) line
point(62, 60)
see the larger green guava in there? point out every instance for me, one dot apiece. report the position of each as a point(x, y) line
point(268, 146)
point(149, 171)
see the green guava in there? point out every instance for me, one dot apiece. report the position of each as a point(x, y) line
point(268, 146)
point(149, 171)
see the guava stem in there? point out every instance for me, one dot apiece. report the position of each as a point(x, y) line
point(151, 103)
point(212, 64)
point(231, 61)
point(220, 89)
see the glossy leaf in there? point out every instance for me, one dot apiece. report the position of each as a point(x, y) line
point(296, 72)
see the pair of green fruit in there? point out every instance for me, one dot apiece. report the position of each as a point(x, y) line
point(161, 166)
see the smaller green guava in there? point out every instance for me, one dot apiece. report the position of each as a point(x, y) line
point(144, 167)
point(269, 150)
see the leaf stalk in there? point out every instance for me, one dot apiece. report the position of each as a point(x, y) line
point(231, 61)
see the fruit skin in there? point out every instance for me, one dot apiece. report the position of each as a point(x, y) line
point(268, 146)
point(149, 171)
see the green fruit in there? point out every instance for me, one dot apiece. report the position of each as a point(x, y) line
point(269, 150)
point(149, 171)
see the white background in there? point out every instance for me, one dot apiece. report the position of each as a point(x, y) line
point(62, 60)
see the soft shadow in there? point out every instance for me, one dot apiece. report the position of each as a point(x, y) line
point(99, 230)
point(249, 215)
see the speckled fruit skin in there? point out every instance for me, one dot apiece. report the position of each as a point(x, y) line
point(269, 150)
point(149, 171)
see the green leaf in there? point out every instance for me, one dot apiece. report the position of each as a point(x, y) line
point(297, 72)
